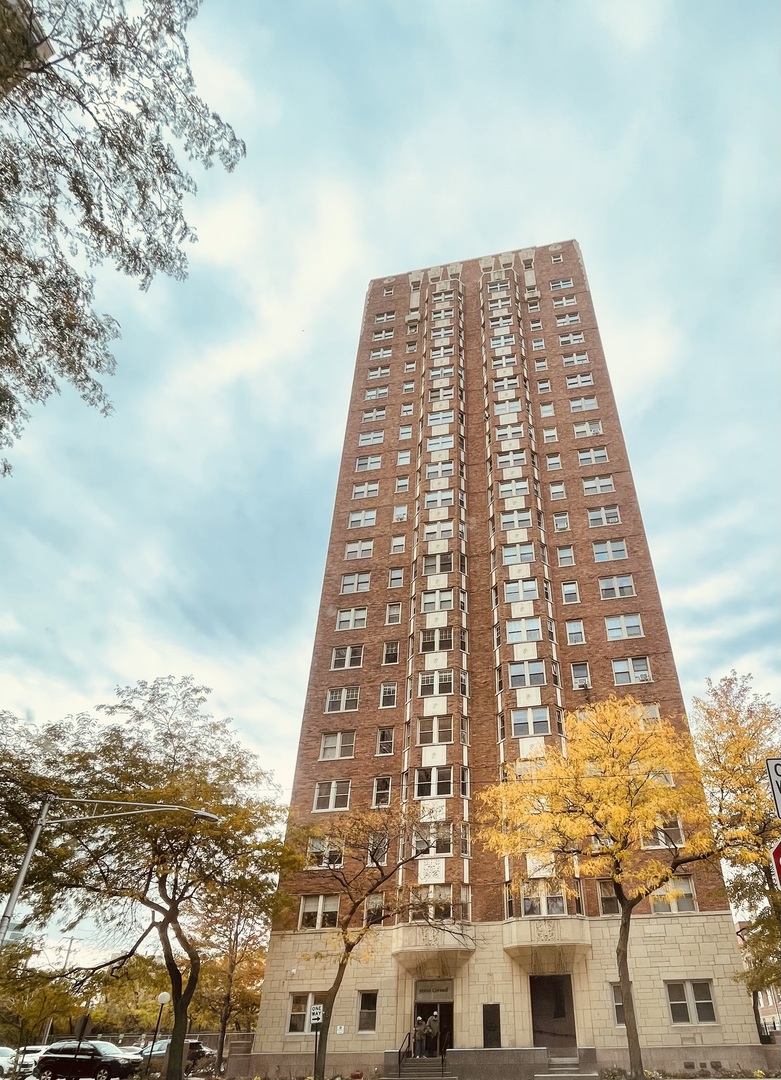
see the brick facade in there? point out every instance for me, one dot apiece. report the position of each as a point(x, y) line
point(486, 521)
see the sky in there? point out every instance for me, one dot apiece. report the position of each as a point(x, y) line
point(187, 532)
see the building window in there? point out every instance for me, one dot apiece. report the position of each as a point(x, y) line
point(408, 388)
point(435, 683)
point(367, 1010)
point(395, 578)
point(351, 618)
point(332, 795)
point(440, 640)
point(433, 839)
point(570, 593)
point(519, 591)
point(436, 781)
point(405, 432)
point(435, 730)
point(398, 544)
point(375, 393)
point(355, 583)
point(668, 835)
point(445, 416)
point(439, 470)
point(577, 337)
point(361, 549)
point(604, 515)
point(392, 614)
point(512, 459)
point(431, 903)
point(342, 699)
point(597, 455)
point(519, 630)
point(691, 1002)
point(607, 550)
point(347, 656)
point(633, 669)
point(517, 553)
point(360, 519)
point(553, 461)
point(561, 283)
point(380, 372)
point(561, 522)
point(403, 457)
point(390, 652)
point(538, 344)
point(337, 744)
point(549, 435)
point(399, 513)
point(566, 556)
point(527, 673)
point(570, 319)
point(441, 373)
point(402, 484)
point(300, 1011)
point(581, 676)
point(388, 695)
point(547, 409)
point(438, 564)
point(323, 854)
point(437, 600)
point(573, 382)
point(623, 626)
point(510, 431)
point(373, 414)
point(366, 491)
point(386, 316)
point(434, 499)
point(608, 905)
point(369, 438)
point(385, 741)
point(412, 346)
point(507, 382)
point(583, 404)
point(440, 442)
point(598, 485)
point(534, 720)
point(318, 912)
point(502, 407)
point(557, 491)
point(382, 791)
point(676, 896)
point(576, 635)
point(585, 431)
point(510, 489)
point(366, 464)
point(612, 587)
point(516, 519)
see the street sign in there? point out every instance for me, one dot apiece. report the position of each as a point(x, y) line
point(315, 1015)
point(774, 772)
point(775, 862)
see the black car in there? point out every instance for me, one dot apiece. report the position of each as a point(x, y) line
point(91, 1059)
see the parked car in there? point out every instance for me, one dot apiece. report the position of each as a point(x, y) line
point(25, 1059)
point(199, 1056)
point(7, 1056)
point(92, 1059)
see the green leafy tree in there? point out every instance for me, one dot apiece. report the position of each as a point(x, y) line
point(33, 998)
point(624, 780)
point(98, 112)
point(735, 731)
point(125, 999)
point(149, 873)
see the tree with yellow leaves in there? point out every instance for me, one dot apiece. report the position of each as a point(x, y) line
point(735, 731)
point(624, 800)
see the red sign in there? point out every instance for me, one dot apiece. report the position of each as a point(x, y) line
point(775, 862)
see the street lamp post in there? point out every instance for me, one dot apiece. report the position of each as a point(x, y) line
point(43, 818)
point(163, 999)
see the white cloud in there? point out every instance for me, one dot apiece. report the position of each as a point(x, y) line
point(634, 25)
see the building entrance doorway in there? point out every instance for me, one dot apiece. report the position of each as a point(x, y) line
point(435, 996)
point(553, 1014)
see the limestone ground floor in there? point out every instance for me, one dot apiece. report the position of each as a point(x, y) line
point(538, 985)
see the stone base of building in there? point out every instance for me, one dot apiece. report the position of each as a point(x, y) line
point(519, 1063)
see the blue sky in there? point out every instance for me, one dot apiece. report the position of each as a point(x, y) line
point(187, 532)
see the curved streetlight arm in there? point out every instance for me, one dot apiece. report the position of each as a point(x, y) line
point(43, 816)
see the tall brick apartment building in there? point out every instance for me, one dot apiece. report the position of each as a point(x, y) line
point(487, 572)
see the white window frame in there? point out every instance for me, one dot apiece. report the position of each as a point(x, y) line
point(637, 670)
point(348, 652)
point(359, 549)
point(598, 485)
point(355, 583)
point(691, 1002)
point(613, 587)
point(326, 912)
point(342, 743)
point(620, 627)
point(381, 791)
point(609, 550)
point(335, 792)
point(583, 404)
point(351, 618)
point(342, 699)
point(599, 516)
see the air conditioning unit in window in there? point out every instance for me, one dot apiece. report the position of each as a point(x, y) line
point(644, 677)
point(581, 684)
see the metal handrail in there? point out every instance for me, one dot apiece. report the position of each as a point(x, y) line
point(404, 1049)
point(443, 1050)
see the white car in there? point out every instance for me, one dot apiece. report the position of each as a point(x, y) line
point(26, 1058)
point(7, 1056)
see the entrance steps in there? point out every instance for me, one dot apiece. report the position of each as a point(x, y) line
point(565, 1065)
point(422, 1069)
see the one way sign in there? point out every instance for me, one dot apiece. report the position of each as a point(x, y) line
point(774, 772)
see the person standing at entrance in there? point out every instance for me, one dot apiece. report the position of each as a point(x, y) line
point(432, 1035)
point(420, 1037)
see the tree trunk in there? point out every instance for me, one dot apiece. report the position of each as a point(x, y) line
point(755, 1007)
point(630, 1019)
point(330, 998)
